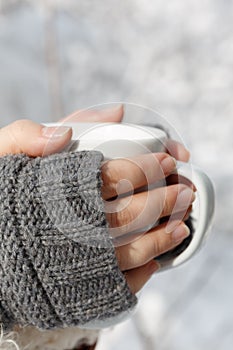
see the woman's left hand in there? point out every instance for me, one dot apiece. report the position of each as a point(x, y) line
point(36, 140)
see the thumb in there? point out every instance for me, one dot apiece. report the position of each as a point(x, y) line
point(25, 136)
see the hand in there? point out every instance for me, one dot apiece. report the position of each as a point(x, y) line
point(25, 136)
point(135, 259)
point(135, 211)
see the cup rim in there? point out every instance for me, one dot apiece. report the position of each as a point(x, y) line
point(113, 131)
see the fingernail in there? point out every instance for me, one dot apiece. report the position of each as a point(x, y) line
point(185, 198)
point(55, 132)
point(168, 164)
point(153, 267)
point(181, 232)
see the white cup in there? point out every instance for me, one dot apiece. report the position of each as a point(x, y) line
point(118, 140)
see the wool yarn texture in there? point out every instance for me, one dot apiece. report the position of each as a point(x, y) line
point(57, 262)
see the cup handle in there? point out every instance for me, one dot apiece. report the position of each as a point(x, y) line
point(202, 213)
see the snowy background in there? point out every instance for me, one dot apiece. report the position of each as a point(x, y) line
point(175, 57)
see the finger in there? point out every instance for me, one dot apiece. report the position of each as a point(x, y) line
point(138, 277)
point(142, 210)
point(25, 136)
point(180, 216)
point(177, 150)
point(151, 245)
point(122, 175)
point(114, 114)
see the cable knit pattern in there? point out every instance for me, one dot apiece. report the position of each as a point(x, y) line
point(57, 262)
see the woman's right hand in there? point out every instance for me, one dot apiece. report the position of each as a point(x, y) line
point(139, 210)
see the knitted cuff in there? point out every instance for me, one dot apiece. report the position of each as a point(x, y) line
point(57, 262)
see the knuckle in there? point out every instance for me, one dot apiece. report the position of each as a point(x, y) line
point(110, 178)
point(121, 218)
point(16, 129)
point(119, 258)
point(161, 244)
point(155, 244)
point(19, 125)
point(115, 174)
point(141, 256)
point(126, 219)
point(166, 207)
point(166, 204)
point(12, 133)
point(112, 219)
point(169, 200)
point(125, 258)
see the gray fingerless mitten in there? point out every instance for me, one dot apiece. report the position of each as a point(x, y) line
point(57, 262)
